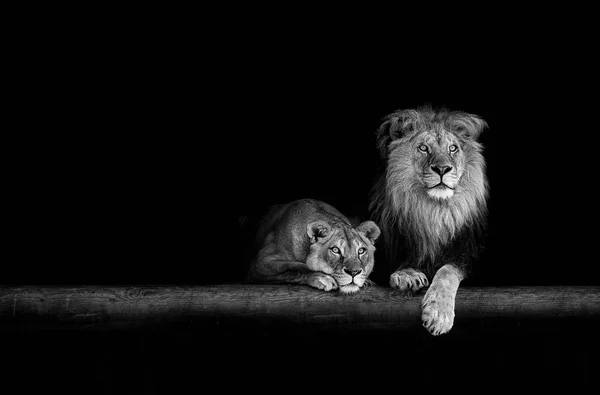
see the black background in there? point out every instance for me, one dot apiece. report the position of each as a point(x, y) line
point(139, 149)
point(149, 153)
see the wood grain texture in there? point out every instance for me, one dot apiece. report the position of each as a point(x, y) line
point(293, 304)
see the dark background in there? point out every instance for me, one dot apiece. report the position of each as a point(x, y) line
point(150, 155)
point(139, 149)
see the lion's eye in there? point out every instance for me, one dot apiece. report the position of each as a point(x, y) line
point(335, 250)
point(423, 148)
point(362, 250)
point(453, 148)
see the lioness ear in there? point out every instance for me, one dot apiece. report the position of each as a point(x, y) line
point(370, 230)
point(468, 126)
point(318, 230)
point(398, 124)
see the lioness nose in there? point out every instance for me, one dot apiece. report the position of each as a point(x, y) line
point(441, 170)
point(353, 272)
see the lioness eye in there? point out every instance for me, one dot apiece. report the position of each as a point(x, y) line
point(453, 148)
point(361, 250)
point(335, 250)
point(423, 148)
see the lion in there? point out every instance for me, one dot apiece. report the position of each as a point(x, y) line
point(431, 204)
point(310, 242)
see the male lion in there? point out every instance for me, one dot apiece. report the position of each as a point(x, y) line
point(431, 204)
point(310, 242)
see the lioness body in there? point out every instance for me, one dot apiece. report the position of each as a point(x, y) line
point(431, 204)
point(310, 242)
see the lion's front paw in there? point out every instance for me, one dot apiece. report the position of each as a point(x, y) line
point(408, 280)
point(438, 311)
point(322, 281)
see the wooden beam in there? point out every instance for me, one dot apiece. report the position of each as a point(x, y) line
point(290, 304)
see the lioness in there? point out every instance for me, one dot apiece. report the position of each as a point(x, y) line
point(310, 242)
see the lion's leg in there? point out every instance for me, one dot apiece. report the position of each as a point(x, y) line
point(280, 271)
point(408, 279)
point(438, 303)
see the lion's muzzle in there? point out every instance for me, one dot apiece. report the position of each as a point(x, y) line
point(441, 170)
point(352, 273)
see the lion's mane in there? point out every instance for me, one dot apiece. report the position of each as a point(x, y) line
point(416, 229)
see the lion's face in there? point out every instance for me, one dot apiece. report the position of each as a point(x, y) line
point(438, 162)
point(434, 183)
point(429, 156)
point(345, 253)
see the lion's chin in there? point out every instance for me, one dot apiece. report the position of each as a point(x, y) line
point(349, 289)
point(440, 193)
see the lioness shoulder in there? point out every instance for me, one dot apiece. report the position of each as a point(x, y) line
point(310, 242)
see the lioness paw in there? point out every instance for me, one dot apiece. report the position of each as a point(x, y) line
point(408, 280)
point(437, 311)
point(322, 281)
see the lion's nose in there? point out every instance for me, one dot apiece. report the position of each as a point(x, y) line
point(441, 170)
point(353, 272)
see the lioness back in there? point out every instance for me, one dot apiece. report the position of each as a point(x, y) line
point(310, 242)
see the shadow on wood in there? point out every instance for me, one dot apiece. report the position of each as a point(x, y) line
point(169, 339)
point(374, 307)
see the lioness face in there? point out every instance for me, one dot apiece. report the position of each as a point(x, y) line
point(347, 255)
point(438, 162)
point(352, 262)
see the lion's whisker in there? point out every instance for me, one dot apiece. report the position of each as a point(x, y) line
point(426, 225)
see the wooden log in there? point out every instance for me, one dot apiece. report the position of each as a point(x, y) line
point(290, 304)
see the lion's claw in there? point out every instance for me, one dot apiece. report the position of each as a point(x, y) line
point(437, 311)
point(408, 280)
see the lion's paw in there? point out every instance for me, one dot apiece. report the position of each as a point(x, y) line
point(322, 281)
point(437, 311)
point(408, 280)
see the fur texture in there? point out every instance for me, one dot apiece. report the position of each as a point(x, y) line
point(430, 201)
point(310, 242)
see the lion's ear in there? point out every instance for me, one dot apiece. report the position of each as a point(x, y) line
point(396, 125)
point(468, 126)
point(370, 230)
point(318, 231)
